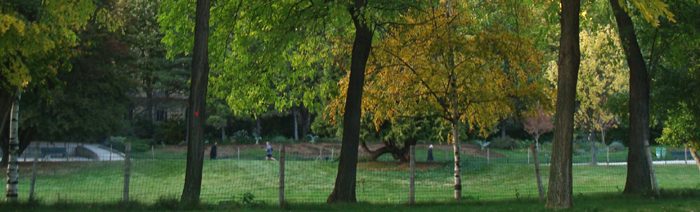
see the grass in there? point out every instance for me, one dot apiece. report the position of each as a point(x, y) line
point(310, 181)
point(675, 200)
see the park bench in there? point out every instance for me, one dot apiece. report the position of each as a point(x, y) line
point(51, 151)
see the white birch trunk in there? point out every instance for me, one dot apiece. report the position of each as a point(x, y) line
point(13, 165)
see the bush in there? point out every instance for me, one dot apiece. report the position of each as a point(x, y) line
point(171, 131)
point(505, 143)
point(616, 146)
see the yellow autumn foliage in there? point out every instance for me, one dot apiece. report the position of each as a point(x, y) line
point(436, 60)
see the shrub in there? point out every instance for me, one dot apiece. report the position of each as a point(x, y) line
point(171, 131)
point(616, 146)
point(505, 143)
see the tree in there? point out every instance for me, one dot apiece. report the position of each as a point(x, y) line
point(640, 170)
point(601, 75)
point(538, 124)
point(46, 32)
point(197, 104)
point(559, 193)
point(454, 70)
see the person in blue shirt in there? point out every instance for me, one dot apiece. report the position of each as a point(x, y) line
point(269, 152)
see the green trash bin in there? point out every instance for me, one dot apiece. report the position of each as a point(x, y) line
point(660, 152)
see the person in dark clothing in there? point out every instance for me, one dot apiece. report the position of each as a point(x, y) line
point(212, 153)
point(430, 153)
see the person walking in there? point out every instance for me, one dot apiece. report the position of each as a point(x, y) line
point(269, 152)
point(212, 153)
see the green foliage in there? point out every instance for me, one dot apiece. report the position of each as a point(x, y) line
point(505, 143)
point(86, 101)
point(171, 131)
point(47, 32)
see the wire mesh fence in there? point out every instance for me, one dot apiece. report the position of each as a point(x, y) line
point(309, 176)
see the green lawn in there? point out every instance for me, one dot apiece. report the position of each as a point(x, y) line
point(310, 181)
point(676, 200)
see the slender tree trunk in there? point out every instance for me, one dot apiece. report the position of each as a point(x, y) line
point(638, 172)
point(503, 128)
point(344, 190)
point(457, 157)
point(559, 193)
point(223, 133)
point(540, 188)
point(13, 165)
point(197, 104)
point(258, 128)
point(695, 157)
point(593, 150)
point(296, 125)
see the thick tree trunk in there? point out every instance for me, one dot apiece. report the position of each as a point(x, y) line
point(559, 193)
point(344, 190)
point(638, 172)
point(197, 104)
point(13, 165)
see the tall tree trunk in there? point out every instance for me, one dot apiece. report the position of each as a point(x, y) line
point(197, 104)
point(13, 165)
point(344, 190)
point(559, 193)
point(638, 172)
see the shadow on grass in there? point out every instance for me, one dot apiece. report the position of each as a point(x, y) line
point(670, 200)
